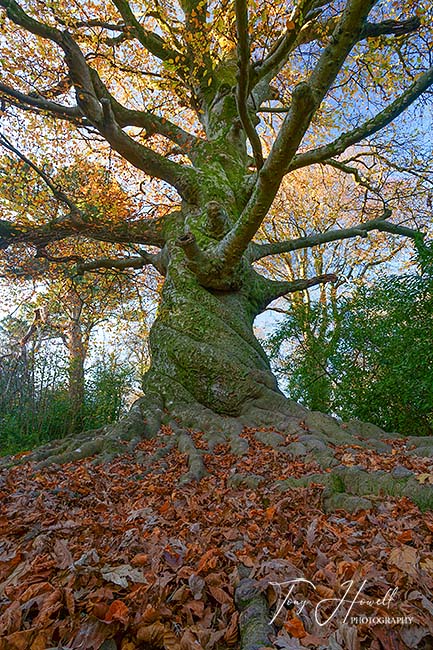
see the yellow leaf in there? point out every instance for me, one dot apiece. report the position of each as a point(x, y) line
point(425, 478)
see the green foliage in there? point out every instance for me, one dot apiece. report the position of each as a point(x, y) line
point(383, 366)
point(35, 406)
point(300, 349)
point(370, 357)
point(106, 387)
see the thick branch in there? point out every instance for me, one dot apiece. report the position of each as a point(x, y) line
point(231, 248)
point(16, 14)
point(305, 27)
point(370, 127)
point(258, 251)
point(143, 119)
point(343, 38)
point(277, 288)
point(39, 102)
point(242, 92)
point(119, 264)
point(278, 54)
point(74, 58)
point(152, 42)
point(306, 99)
point(141, 232)
point(182, 178)
point(391, 27)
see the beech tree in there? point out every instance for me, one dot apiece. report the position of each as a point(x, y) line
point(177, 91)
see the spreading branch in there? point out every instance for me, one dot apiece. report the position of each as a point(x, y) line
point(391, 27)
point(22, 100)
point(369, 128)
point(184, 179)
point(100, 114)
point(144, 119)
point(352, 171)
point(278, 288)
point(258, 251)
point(306, 26)
point(119, 264)
point(150, 232)
point(151, 41)
point(243, 84)
point(306, 99)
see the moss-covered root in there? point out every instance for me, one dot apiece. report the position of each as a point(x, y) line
point(254, 618)
point(351, 489)
point(217, 429)
point(196, 467)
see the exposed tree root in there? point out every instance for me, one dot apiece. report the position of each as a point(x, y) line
point(291, 430)
point(254, 627)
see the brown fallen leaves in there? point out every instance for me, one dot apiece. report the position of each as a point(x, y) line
point(109, 556)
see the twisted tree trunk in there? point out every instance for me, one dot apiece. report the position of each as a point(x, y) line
point(203, 347)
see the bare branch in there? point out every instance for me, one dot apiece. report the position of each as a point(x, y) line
point(353, 171)
point(39, 102)
point(370, 127)
point(144, 119)
point(278, 288)
point(184, 179)
point(150, 232)
point(18, 16)
point(242, 91)
point(274, 109)
point(258, 251)
point(118, 264)
point(278, 54)
point(391, 27)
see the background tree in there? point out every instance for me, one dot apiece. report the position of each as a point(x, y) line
point(69, 305)
point(382, 365)
point(307, 337)
point(178, 93)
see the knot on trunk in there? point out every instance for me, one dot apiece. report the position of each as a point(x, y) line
point(217, 220)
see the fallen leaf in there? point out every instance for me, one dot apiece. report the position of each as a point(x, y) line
point(117, 611)
point(295, 627)
point(405, 558)
point(121, 574)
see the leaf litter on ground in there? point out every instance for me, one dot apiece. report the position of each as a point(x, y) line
point(108, 556)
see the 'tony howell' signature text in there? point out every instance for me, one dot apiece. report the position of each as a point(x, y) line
point(286, 589)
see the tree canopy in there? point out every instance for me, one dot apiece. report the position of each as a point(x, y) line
point(158, 84)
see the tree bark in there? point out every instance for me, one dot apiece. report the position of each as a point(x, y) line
point(77, 354)
point(203, 347)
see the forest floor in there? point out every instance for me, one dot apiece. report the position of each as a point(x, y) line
point(120, 555)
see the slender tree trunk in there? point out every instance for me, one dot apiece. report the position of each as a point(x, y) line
point(77, 355)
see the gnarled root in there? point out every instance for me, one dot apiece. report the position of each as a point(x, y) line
point(254, 619)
